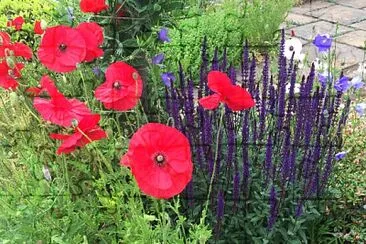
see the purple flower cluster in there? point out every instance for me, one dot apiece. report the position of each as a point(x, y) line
point(287, 142)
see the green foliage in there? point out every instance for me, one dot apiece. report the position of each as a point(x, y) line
point(225, 25)
point(30, 10)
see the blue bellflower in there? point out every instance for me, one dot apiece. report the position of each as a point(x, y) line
point(360, 109)
point(163, 35)
point(340, 155)
point(168, 78)
point(324, 78)
point(357, 82)
point(343, 84)
point(323, 42)
point(158, 59)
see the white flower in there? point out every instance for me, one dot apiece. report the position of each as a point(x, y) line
point(319, 65)
point(296, 88)
point(293, 45)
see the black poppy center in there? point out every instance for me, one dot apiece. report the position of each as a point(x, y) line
point(62, 47)
point(160, 159)
point(117, 85)
point(291, 48)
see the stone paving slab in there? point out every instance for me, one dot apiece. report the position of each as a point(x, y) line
point(354, 38)
point(347, 17)
point(346, 55)
point(305, 8)
point(353, 3)
point(309, 31)
point(340, 14)
point(360, 25)
point(298, 19)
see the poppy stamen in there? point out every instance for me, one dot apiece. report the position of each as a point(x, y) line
point(160, 159)
point(62, 47)
point(117, 85)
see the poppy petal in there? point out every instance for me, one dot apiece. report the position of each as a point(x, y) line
point(210, 102)
point(218, 81)
point(239, 99)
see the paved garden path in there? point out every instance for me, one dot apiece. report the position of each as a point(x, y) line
point(343, 19)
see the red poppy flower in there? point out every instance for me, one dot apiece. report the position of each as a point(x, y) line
point(160, 160)
point(93, 6)
point(38, 28)
point(59, 110)
point(9, 75)
point(17, 49)
point(86, 132)
point(62, 48)
point(122, 88)
point(17, 23)
point(235, 97)
point(93, 36)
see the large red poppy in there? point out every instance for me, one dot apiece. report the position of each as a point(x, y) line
point(86, 132)
point(93, 36)
point(160, 160)
point(122, 89)
point(62, 48)
point(93, 6)
point(235, 97)
point(59, 110)
point(9, 75)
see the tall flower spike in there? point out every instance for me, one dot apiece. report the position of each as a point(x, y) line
point(245, 65)
point(273, 208)
point(219, 211)
point(263, 103)
point(215, 60)
point(236, 189)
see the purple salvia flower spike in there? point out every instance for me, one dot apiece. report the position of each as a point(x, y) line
point(252, 73)
point(236, 189)
point(273, 208)
point(245, 65)
point(263, 104)
point(224, 61)
point(219, 212)
point(215, 60)
point(268, 161)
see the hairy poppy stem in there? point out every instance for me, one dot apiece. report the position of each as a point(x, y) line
point(204, 212)
point(99, 152)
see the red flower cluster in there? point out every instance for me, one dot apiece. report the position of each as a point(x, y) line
point(93, 6)
point(122, 88)
point(160, 160)
point(58, 109)
point(235, 97)
point(17, 23)
point(63, 47)
point(9, 66)
point(85, 132)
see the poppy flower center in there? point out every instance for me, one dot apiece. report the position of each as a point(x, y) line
point(160, 159)
point(62, 47)
point(118, 86)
